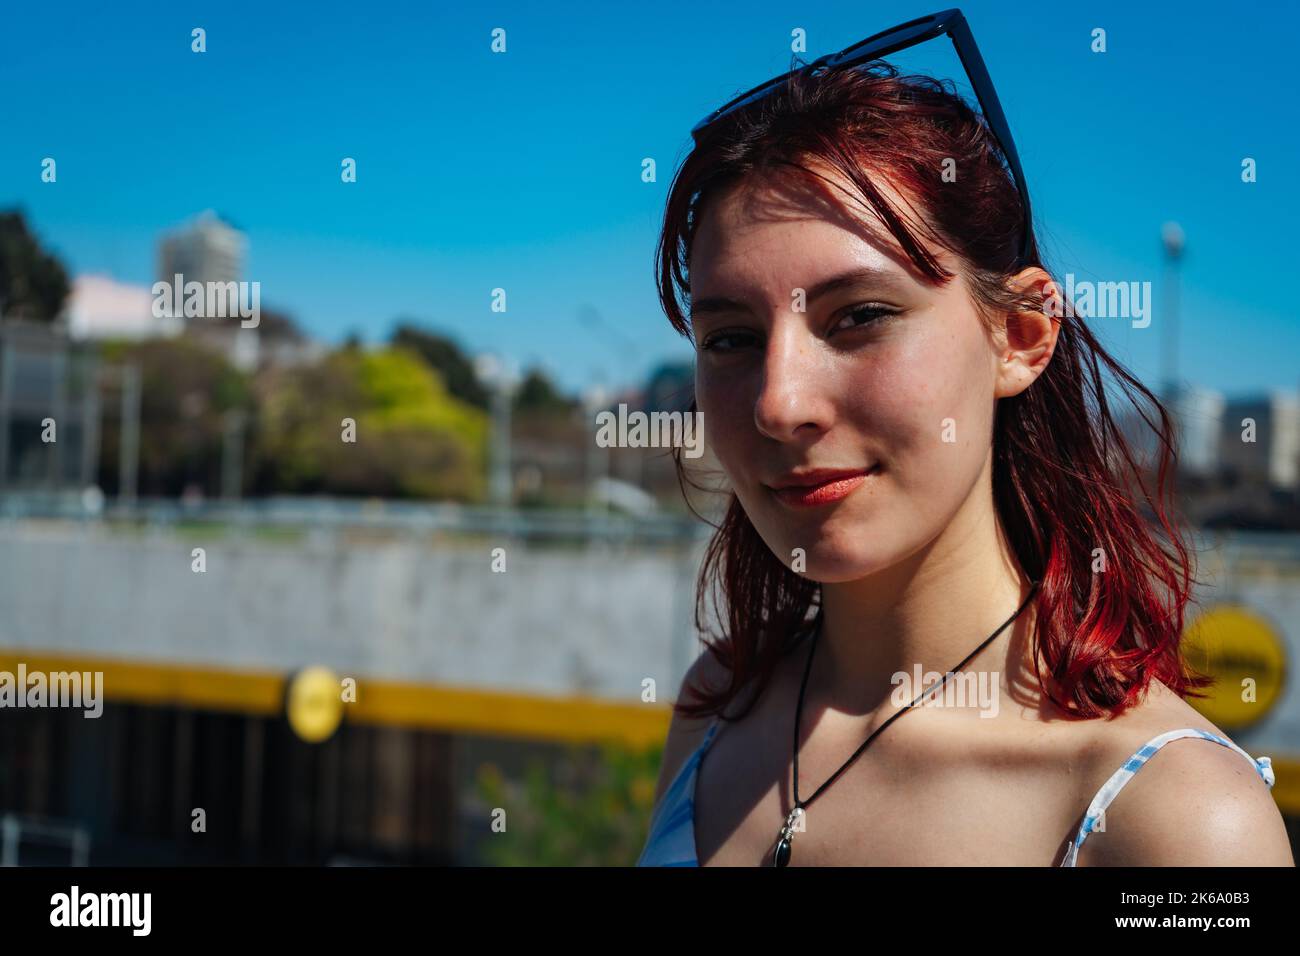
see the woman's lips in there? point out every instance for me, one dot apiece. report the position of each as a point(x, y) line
point(835, 489)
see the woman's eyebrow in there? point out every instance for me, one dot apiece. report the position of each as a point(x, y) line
point(862, 276)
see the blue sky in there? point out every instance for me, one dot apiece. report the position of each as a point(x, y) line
point(522, 170)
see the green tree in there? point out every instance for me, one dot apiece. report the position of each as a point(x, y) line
point(445, 357)
point(411, 439)
point(186, 388)
point(33, 283)
point(536, 393)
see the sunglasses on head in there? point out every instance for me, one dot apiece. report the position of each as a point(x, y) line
point(949, 22)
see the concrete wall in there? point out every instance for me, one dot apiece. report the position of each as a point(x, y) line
point(594, 620)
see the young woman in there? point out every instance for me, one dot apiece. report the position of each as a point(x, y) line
point(925, 475)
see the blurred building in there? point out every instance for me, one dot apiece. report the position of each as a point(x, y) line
point(207, 249)
point(100, 307)
point(1273, 457)
point(49, 409)
point(671, 387)
point(1251, 439)
point(1198, 414)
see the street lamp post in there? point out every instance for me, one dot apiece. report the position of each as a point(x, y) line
point(1174, 241)
point(232, 454)
point(501, 379)
point(594, 400)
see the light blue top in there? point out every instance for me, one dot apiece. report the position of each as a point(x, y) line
point(671, 841)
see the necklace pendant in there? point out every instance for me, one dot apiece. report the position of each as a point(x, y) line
point(781, 855)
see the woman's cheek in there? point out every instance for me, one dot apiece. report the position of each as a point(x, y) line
point(941, 442)
point(723, 426)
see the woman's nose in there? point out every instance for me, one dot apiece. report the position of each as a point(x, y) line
point(791, 395)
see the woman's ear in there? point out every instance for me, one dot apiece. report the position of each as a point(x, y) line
point(1027, 339)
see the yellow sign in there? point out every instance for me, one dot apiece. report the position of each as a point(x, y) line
point(315, 703)
point(1247, 658)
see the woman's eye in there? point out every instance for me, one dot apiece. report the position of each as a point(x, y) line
point(861, 315)
point(732, 340)
point(726, 341)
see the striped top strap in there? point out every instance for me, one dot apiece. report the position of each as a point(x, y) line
point(1263, 766)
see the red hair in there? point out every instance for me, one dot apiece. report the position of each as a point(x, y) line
point(1065, 481)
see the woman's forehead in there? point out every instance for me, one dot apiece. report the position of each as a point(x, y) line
point(777, 260)
point(765, 241)
point(787, 223)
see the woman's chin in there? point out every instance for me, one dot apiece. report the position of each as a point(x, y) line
point(830, 565)
point(839, 572)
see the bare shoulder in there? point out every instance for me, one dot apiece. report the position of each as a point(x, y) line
point(1194, 802)
point(684, 733)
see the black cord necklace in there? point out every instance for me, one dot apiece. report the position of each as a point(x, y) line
point(781, 855)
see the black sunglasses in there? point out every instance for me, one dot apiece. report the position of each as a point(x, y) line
point(950, 22)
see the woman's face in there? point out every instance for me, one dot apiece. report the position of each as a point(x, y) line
point(886, 381)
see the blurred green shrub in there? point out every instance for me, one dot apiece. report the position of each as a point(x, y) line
point(593, 810)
